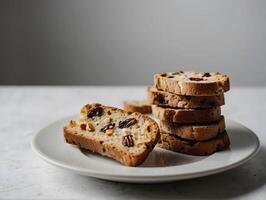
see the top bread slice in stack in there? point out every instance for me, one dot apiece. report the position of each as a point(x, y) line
point(188, 107)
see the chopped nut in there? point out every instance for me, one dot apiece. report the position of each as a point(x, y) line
point(90, 127)
point(109, 132)
point(82, 126)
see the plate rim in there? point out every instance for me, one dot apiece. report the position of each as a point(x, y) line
point(102, 174)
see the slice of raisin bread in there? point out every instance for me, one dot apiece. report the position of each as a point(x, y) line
point(182, 115)
point(199, 132)
point(192, 83)
point(112, 132)
point(166, 99)
point(192, 147)
point(137, 106)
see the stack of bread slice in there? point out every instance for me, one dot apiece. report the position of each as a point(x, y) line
point(188, 106)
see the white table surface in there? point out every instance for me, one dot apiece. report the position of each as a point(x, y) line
point(23, 175)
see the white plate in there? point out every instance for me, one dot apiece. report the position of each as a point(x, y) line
point(160, 166)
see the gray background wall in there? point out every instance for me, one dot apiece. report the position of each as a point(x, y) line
point(112, 42)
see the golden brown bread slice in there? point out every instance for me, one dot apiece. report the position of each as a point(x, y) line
point(192, 83)
point(137, 106)
point(112, 132)
point(197, 148)
point(182, 115)
point(167, 99)
point(199, 132)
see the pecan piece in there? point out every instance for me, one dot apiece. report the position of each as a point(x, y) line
point(175, 73)
point(108, 126)
point(207, 74)
point(195, 79)
point(98, 111)
point(127, 123)
point(128, 141)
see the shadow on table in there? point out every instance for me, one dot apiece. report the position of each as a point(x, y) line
point(232, 183)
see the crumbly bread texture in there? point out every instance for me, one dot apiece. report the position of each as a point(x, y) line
point(112, 132)
point(137, 106)
point(198, 132)
point(182, 115)
point(192, 83)
point(197, 148)
point(166, 99)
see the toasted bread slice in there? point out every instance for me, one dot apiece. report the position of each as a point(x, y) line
point(198, 132)
point(166, 99)
point(112, 132)
point(183, 115)
point(137, 106)
point(197, 148)
point(192, 83)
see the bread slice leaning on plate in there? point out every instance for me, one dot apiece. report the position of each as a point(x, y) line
point(112, 132)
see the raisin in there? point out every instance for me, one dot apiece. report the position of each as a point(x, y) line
point(170, 76)
point(163, 74)
point(195, 79)
point(98, 111)
point(108, 126)
point(207, 74)
point(127, 123)
point(128, 141)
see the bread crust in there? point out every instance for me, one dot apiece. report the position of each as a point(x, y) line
point(106, 149)
point(198, 132)
point(187, 115)
point(180, 83)
point(137, 106)
point(85, 140)
point(197, 148)
point(166, 99)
